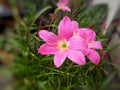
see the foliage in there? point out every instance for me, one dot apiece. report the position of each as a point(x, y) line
point(37, 72)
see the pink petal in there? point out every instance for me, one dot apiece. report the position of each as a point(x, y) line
point(49, 37)
point(63, 2)
point(96, 45)
point(77, 57)
point(59, 58)
point(77, 43)
point(66, 8)
point(104, 54)
point(59, 4)
point(64, 28)
point(66, 2)
point(94, 56)
point(74, 26)
point(46, 49)
point(88, 34)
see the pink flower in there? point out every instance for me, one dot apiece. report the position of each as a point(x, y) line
point(65, 44)
point(63, 5)
point(89, 36)
point(104, 54)
point(104, 26)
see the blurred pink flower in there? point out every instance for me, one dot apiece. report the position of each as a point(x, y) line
point(89, 36)
point(104, 54)
point(104, 26)
point(63, 5)
point(65, 44)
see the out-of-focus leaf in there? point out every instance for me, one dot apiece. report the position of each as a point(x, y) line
point(107, 81)
point(39, 13)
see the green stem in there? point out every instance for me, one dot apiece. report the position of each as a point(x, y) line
point(56, 10)
point(53, 16)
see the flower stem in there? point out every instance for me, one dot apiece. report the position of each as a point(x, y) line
point(53, 16)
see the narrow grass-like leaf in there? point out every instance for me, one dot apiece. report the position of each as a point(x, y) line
point(107, 81)
point(39, 13)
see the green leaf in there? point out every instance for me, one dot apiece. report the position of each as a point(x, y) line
point(107, 81)
point(39, 13)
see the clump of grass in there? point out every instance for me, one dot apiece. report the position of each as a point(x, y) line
point(37, 72)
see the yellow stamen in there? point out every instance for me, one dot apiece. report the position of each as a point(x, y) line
point(63, 45)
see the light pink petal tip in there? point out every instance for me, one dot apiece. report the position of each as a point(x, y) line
point(74, 25)
point(63, 2)
point(46, 49)
point(88, 34)
point(63, 5)
point(59, 58)
point(94, 57)
point(48, 36)
point(77, 57)
point(96, 45)
point(67, 9)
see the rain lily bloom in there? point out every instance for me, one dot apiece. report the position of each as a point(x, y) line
point(63, 5)
point(64, 45)
point(89, 36)
point(104, 54)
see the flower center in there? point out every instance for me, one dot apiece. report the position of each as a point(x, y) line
point(89, 45)
point(63, 45)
